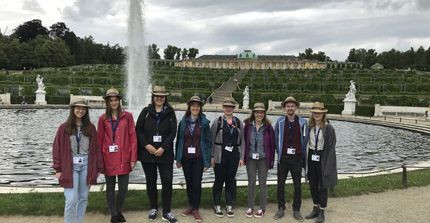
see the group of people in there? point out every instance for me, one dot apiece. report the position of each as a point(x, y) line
point(81, 152)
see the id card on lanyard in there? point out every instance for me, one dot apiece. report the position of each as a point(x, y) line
point(114, 148)
point(315, 157)
point(191, 128)
point(78, 137)
point(157, 137)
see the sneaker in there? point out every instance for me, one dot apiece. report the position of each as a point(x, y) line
point(121, 217)
point(298, 216)
point(169, 217)
point(197, 216)
point(218, 212)
point(259, 213)
point(248, 212)
point(229, 210)
point(187, 212)
point(279, 214)
point(152, 215)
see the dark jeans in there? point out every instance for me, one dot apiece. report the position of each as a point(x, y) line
point(116, 203)
point(166, 175)
point(293, 165)
point(319, 194)
point(193, 171)
point(225, 172)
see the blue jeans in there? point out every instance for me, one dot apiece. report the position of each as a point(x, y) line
point(77, 197)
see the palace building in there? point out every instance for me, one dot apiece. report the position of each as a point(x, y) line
point(249, 60)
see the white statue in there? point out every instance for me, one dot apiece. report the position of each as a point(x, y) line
point(352, 90)
point(40, 85)
point(246, 98)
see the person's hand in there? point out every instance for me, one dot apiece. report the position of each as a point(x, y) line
point(241, 162)
point(178, 165)
point(98, 174)
point(213, 162)
point(151, 149)
point(159, 151)
point(58, 175)
point(206, 168)
point(132, 164)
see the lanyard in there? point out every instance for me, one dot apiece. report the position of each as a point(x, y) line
point(230, 127)
point(257, 135)
point(114, 127)
point(78, 136)
point(191, 129)
point(316, 137)
point(158, 120)
point(291, 135)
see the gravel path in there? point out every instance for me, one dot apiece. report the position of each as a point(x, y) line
point(410, 205)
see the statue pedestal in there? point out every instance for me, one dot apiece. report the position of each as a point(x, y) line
point(349, 106)
point(40, 97)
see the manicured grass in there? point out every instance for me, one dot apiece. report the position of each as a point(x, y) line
point(53, 203)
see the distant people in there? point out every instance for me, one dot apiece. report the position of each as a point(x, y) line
point(259, 156)
point(227, 155)
point(156, 130)
point(194, 153)
point(290, 132)
point(117, 139)
point(321, 160)
point(77, 159)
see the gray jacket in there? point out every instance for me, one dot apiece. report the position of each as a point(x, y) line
point(217, 138)
point(328, 157)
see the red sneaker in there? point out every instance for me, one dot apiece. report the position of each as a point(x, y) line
point(259, 213)
point(187, 212)
point(197, 216)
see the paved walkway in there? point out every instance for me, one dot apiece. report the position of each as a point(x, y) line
point(411, 205)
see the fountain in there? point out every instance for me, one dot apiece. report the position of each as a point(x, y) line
point(138, 78)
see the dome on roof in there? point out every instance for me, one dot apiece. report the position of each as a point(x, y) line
point(247, 54)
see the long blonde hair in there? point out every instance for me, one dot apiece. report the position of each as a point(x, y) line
point(312, 121)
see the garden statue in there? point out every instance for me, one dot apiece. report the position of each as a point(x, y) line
point(246, 98)
point(352, 90)
point(40, 85)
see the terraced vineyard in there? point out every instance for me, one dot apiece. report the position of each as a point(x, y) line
point(387, 87)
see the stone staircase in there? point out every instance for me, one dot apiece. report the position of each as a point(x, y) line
point(227, 88)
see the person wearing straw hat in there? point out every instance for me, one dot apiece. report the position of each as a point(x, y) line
point(321, 160)
point(259, 156)
point(227, 155)
point(156, 130)
point(193, 153)
point(77, 159)
point(117, 140)
point(290, 135)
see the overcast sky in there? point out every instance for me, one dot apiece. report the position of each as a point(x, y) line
point(229, 26)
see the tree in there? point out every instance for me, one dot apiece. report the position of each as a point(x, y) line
point(310, 55)
point(153, 51)
point(192, 53)
point(59, 30)
point(4, 61)
point(169, 52)
point(184, 53)
point(29, 30)
point(178, 54)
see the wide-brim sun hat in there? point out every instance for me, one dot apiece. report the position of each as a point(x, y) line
point(259, 107)
point(112, 92)
point(318, 107)
point(195, 98)
point(290, 99)
point(159, 91)
point(229, 102)
point(81, 102)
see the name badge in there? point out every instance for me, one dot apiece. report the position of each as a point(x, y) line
point(255, 156)
point(78, 160)
point(156, 138)
point(113, 148)
point(229, 148)
point(191, 150)
point(291, 151)
point(315, 158)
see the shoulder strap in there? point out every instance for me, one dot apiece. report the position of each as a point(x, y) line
point(218, 128)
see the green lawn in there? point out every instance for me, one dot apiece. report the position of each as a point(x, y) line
point(53, 203)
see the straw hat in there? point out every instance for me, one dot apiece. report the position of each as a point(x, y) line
point(318, 107)
point(290, 99)
point(229, 101)
point(112, 92)
point(159, 91)
point(79, 102)
point(195, 98)
point(259, 107)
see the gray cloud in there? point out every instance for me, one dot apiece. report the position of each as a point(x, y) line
point(82, 10)
point(32, 5)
